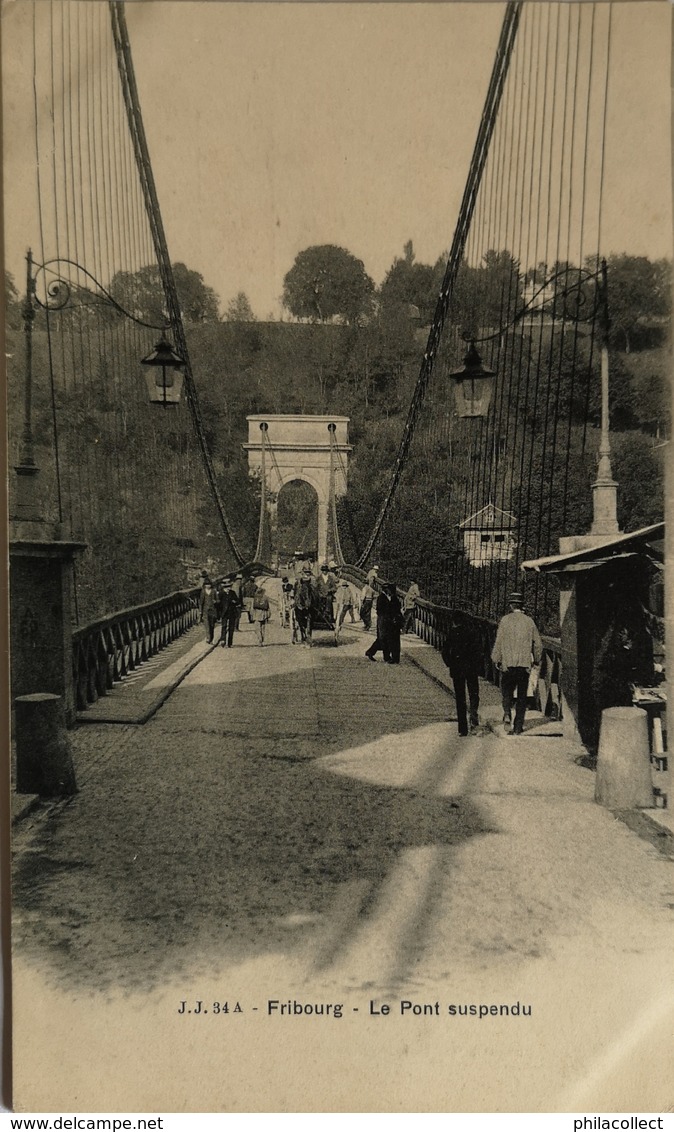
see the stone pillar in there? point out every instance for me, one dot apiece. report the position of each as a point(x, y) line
point(41, 588)
point(623, 762)
point(44, 762)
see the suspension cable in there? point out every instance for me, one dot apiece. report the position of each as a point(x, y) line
point(132, 104)
point(480, 153)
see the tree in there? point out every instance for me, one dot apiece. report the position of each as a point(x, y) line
point(141, 293)
point(409, 284)
point(639, 292)
point(327, 282)
point(638, 468)
point(650, 374)
point(486, 298)
point(239, 309)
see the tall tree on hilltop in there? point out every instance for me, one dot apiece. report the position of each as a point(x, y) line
point(639, 290)
point(327, 282)
point(409, 284)
point(239, 309)
point(141, 293)
point(486, 298)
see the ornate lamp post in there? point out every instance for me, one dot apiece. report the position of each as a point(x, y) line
point(605, 488)
point(474, 382)
point(40, 558)
point(164, 389)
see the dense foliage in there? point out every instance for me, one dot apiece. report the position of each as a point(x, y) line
point(356, 351)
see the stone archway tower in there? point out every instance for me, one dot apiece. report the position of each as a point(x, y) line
point(298, 447)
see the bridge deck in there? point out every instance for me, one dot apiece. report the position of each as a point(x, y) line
point(303, 824)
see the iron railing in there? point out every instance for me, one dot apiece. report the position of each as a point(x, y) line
point(106, 650)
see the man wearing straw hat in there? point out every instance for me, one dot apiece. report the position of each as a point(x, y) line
point(516, 648)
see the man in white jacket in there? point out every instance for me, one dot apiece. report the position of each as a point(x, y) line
point(516, 648)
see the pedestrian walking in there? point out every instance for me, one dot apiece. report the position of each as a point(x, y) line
point(367, 596)
point(237, 586)
point(372, 576)
point(517, 647)
point(287, 589)
point(409, 606)
point(209, 608)
point(300, 563)
point(343, 603)
point(303, 599)
point(261, 612)
point(324, 590)
point(389, 624)
point(247, 594)
point(230, 609)
point(461, 653)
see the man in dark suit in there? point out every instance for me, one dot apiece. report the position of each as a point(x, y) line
point(229, 612)
point(209, 608)
point(389, 624)
point(461, 654)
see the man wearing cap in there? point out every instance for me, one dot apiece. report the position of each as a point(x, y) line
point(372, 576)
point(287, 590)
point(303, 597)
point(409, 606)
point(299, 562)
point(367, 596)
point(209, 608)
point(333, 575)
point(516, 648)
point(324, 588)
point(237, 583)
point(229, 611)
point(343, 603)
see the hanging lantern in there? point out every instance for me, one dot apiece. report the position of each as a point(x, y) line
point(473, 385)
point(164, 380)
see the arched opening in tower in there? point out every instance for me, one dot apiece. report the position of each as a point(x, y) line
point(297, 520)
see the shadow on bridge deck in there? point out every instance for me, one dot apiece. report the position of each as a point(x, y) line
point(302, 824)
point(283, 800)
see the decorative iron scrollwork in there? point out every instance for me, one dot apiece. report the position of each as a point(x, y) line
point(573, 299)
point(65, 291)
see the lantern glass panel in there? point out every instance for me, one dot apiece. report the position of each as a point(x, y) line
point(164, 385)
point(473, 396)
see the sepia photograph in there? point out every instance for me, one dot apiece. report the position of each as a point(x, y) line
point(338, 337)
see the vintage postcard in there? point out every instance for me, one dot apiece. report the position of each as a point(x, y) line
point(338, 354)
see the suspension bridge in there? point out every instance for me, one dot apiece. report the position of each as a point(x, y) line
point(144, 491)
point(124, 490)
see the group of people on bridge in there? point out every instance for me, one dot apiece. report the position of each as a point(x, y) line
point(311, 598)
point(321, 598)
point(224, 601)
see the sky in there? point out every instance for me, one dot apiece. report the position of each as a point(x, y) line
point(275, 126)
